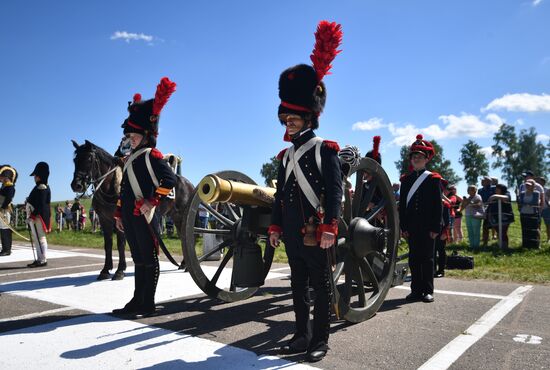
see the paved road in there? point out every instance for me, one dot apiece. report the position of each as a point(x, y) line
point(57, 317)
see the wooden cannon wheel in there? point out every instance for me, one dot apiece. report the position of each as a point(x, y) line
point(212, 277)
point(367, 243)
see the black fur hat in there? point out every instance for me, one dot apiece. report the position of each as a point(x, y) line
point(301, 93)
point(144, 115)
point(301, 88)
point(42, 170)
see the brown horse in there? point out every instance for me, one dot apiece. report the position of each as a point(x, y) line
point(94, 166)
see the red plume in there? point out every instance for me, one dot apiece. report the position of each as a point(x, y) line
point(375, 146)
point(328, 38)
point(164, 89)
point(137, 98)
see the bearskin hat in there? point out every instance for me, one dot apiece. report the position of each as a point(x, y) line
point(422, 146)
point(42, 170)
point(144, 115)
point(301, 88)
point(375, 153)
point(8, 172)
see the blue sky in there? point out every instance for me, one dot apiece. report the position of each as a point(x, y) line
point(452, 71)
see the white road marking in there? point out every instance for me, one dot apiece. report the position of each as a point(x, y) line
point(451, 292)
point(527, 338)
point(102, 341)
point(280, 269)
point(82, 290)
point(453, 350)
point(37, 314)
point(35, 270)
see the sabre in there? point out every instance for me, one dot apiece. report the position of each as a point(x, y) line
point(11, 228)
point(32, 244)
point(37, 238)
point(331, 265)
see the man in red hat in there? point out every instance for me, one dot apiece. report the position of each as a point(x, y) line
point(309, 193)
point(420, 211)
point(146, 179)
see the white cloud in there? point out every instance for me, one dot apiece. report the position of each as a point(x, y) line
point(465, 125)
point(521, 103)
point(129, 36)
point(536, 2)
point(374, 123)
point(542, 137)
point(487, 152)
point(403, 135)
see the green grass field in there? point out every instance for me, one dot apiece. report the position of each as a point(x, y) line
point(516, 264)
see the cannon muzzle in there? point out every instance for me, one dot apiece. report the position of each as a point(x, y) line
point(215, 189)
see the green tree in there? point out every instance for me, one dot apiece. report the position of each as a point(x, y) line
point(438, 163)
point(269, 170)
point(515, 154)
point(532, 154)
point(442, 166)
point(402, 164)
point(474, 162)
point(506, 154)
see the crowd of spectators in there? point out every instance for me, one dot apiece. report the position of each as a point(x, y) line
point(488, 210)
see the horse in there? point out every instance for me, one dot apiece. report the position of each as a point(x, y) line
point(95, 166)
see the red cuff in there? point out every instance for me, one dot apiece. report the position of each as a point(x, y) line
point(274, 229)
point(329, 228)
point(138, 203)
point(118, 213)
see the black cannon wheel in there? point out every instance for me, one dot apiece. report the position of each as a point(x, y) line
point(211, 276)
point(367, 243)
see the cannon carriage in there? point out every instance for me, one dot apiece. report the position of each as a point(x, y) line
point(366, 250)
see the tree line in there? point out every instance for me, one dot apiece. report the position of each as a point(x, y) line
point(513, 153)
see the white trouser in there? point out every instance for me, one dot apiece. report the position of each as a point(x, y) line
point(6, 216)
point(39, 239)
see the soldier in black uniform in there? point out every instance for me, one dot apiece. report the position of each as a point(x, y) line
point(308, 198)
point(147, 178)
point(420, 218)
point(8, 176)
point(39, 213)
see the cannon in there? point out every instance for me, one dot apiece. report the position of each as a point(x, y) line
point(366, 250)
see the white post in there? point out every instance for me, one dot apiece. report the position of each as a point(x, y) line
point(500, 224)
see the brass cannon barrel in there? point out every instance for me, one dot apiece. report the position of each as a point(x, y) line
point(215, 189)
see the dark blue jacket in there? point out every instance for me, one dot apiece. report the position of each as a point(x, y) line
point(424, 212)
point(40, 198)
point(291, 208)
point(8, 192)
point(165, 176)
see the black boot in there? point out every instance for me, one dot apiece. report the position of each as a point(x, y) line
point(136, 303)
point(5, 236)
point(151, 280)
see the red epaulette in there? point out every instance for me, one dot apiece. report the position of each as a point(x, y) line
point(435, 175)
point(402, 177)
point(281, 154)
point(332, 145)
point(156, 153)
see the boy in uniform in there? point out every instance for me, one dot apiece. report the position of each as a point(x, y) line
point(420, 210)
point(39, 214)
point(309, 193)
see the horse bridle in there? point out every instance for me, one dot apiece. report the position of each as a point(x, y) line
point(86, 179)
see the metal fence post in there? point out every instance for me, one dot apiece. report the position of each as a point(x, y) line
point(500, 224)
